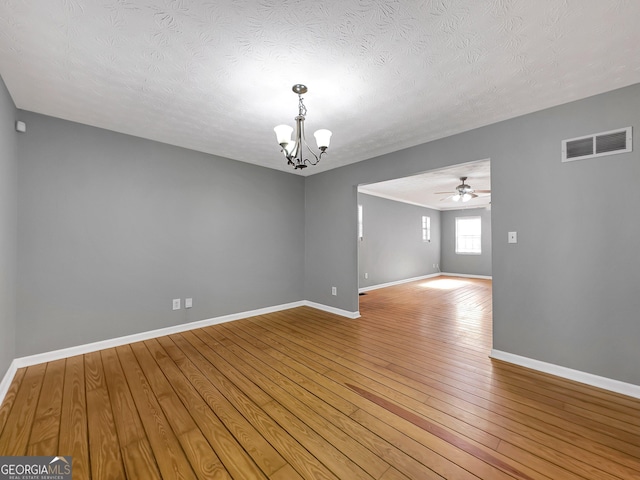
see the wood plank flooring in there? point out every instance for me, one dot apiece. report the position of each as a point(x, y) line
point(405, 392)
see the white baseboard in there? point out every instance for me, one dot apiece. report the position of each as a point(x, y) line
point(161, 332)
point(7, 379)
point(399, 282)
point(138, 337)
point(327, 308)
point(568, 373)
point(466, 275)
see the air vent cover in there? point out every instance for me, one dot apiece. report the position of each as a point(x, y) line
point(597, 145)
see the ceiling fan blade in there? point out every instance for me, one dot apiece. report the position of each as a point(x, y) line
point(442, 193)
point(446, 198)
point(482, 191)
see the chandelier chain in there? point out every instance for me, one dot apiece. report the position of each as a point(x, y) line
point(302, 110)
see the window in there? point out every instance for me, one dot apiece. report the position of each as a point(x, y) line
point(426, 228)
point(360, 224)
point(468, 235)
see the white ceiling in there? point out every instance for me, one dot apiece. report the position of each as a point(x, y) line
point(216, 75)
point(423, 189)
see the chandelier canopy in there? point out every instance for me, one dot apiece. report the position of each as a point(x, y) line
point(293, 149)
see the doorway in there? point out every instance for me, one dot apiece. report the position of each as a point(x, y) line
point(415, 228)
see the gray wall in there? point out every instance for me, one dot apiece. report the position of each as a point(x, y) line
point(111, 228)
point(392, 248)
point(567, 293)
point(8, 226)
point(453, 262)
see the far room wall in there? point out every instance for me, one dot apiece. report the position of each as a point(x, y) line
point(468, 264)
point(392, 248)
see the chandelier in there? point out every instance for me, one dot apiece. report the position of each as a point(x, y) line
point(293, 150)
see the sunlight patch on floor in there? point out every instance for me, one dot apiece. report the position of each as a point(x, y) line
point(444, 284)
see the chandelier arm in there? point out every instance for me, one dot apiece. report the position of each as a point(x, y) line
point(287, 156)
point(310, 162)
point(303, 139)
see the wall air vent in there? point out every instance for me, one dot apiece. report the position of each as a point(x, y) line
point(597, 145)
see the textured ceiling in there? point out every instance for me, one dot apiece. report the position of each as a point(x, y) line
point(423, 189)
point(216, 75)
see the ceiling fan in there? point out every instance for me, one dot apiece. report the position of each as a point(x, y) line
point(463, 192)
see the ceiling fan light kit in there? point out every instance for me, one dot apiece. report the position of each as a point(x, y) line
point(293, 149)
point(465, 197)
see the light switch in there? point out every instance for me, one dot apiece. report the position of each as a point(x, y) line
point(513, 237)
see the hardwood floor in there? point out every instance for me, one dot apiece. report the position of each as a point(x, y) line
point(406, 391)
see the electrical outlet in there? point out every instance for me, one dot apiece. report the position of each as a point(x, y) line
point(188, 302)
point(334, 291)
point(176, 304)
point(366, 275)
